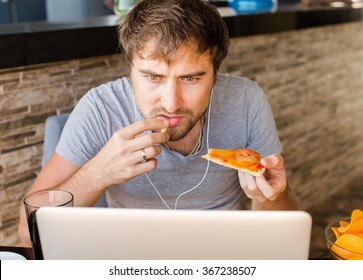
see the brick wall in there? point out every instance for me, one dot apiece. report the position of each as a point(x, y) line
point(27, 96)
point(313, 79)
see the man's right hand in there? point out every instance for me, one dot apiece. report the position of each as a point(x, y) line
point(121, 159)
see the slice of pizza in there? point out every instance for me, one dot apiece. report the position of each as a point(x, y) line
point(242, 159)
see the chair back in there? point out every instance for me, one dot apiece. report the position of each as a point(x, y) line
point(52, 132)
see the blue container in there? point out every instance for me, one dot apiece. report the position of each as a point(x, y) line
point(253, 6)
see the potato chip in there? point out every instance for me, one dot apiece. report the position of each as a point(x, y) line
point(355, 227)
point(356, 215)
point(349, 237)
point(356, 222)
point(336, 231)
point(352, 247)
point(350, 242)
point(343, 223)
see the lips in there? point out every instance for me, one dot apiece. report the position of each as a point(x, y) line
point(173, 120)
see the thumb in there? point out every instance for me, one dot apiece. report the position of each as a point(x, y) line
point(273, 161)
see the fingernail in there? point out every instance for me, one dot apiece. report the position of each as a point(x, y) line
point(166, 123)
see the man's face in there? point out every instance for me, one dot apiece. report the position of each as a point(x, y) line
point(178, 92)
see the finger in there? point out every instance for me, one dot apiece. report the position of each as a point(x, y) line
point(133, 130)
point(144, 167)
point(273, 161)
point(251, 183)
point(143, 155)
point(132, 171)
point(148, 140)
point(266, 189)
point(249, 186)
point(152, 152)
point(146, 154)
point(242, 180)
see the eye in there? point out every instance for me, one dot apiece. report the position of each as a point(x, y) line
point(190, 79)
point(153, 78)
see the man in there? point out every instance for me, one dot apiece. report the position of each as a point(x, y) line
point(114, 141)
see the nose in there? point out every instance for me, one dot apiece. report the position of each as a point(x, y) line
point(171, 99)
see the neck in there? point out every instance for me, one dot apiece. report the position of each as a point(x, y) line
point(187, 145)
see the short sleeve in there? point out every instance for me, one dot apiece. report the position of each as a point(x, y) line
point(262, 132)
point(82, 136)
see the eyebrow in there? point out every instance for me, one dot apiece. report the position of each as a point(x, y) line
point(149, 72)
point(190, 75)
point(195, 74)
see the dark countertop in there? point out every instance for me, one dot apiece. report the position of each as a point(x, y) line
point(24, 44)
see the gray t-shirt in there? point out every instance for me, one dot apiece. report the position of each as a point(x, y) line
point(240, 117)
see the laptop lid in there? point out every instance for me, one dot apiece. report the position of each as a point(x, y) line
point(111, 233)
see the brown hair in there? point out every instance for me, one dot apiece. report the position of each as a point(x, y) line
point(172, 24)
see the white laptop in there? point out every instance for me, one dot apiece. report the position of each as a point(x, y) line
point(70, 233)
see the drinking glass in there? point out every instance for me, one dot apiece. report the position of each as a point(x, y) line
point(32, 202)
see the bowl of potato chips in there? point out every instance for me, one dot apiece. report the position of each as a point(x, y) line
point(344, 237)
